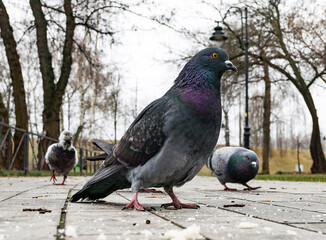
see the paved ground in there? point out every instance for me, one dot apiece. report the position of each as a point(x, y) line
point(280, 210)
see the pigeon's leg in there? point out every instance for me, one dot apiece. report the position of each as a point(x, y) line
point(175, 201)
point(53, 177)
point(228, 189)
point(250, 188)
point(135, 204)
point(150, 190)
point(64, 179)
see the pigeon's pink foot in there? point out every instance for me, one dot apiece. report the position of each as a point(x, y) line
point(229, 189)
point(135, 204)
point(176, 203)
point(150, 190)
point(64, 179)
point(53, 177)
point(250, 188)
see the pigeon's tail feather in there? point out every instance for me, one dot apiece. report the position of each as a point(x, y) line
point(97, 157)
point(106, 147)
point(105, 181)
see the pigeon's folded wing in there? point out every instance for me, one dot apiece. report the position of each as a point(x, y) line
point(145, 136)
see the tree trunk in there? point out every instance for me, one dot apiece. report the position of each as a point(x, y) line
point(76, 135)
point(266, 121)
point(240, 122)
point(298, 155)
point(316, 150)
point(81, 117)
point(4, 117)
point(227, 130)
point(115, 109)
point(17, 82)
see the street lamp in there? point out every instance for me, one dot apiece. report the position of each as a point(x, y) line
point(219, 37)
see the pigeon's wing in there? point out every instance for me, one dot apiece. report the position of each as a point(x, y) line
point(145, 136)
point(220, 160)
point(48, 153)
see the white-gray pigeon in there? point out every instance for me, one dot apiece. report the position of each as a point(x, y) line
point(234, 165)
point(62, 156)
point(171, 139)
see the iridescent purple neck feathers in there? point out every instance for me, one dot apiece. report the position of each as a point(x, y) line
point(200, 88)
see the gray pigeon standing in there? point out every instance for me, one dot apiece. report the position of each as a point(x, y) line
point(62, 156)
point(171, 139)
point(234, 165)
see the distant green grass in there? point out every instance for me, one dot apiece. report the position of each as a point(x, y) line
point(293, 177)
point(281, 177)
point(36, 174)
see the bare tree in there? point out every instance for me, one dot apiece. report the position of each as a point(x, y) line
point(266, 120)
point(299, 55)
point(53, 92)
point(17, 80)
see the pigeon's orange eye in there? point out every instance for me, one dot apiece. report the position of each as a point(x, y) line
point(215, 55)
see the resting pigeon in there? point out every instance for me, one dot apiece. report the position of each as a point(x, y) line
point(62, 156)
point(234, 165)
point(171, 139)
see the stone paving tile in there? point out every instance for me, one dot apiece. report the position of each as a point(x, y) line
point(220, 224)
point(280, 210)
point(31, 193)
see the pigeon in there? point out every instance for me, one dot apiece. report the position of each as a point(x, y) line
point(62, 156)
point(234, 165)
point(171, 139)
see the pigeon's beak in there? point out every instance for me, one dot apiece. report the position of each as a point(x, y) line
point(230, 65)
point(254, 164)
point(69, 137)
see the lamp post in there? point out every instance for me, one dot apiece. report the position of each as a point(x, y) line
point(220, 37)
